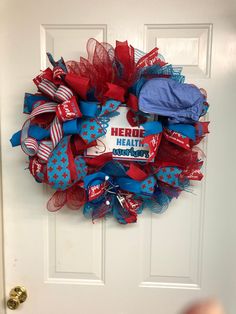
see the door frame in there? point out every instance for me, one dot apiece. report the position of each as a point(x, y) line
point(2, 276)
point(2, 284)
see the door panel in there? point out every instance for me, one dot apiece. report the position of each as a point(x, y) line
point(68, 263)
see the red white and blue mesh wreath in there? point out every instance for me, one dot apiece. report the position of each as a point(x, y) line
point(71, 111)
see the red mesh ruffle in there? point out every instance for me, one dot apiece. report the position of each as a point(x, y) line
point(104, 64)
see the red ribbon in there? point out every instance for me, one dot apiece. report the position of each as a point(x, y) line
point(99, 160)
point(78, 83)
point(125, 55)
point(132, 102)
point(68, 110)
point(177, 138)
point(115, 92)
point(136, 173)
point(149, 59)
point(153, 141)
point(46, 74)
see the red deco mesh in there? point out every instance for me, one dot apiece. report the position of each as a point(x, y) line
point(169, 152)
point(74, 197)
point(104, 64)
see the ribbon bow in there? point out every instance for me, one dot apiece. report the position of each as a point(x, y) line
point(105, 197)
point(112, 191)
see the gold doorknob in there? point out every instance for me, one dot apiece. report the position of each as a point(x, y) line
point(17, 296)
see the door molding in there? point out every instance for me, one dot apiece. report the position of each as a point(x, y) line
point(2, 277)
point(2, 294)
point(2, 285)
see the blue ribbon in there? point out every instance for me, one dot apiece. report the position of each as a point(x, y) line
point(89, 108)
point(94, 179)
point(114, 168)
point(145, 187)
point(71, 127)
point(30, 101)
point(60, 63)
point(184, 129)
point(34, 131)
point(152, 127)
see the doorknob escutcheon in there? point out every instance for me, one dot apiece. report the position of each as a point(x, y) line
point(17, 296)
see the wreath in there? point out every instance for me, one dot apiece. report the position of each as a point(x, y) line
point(114, 132)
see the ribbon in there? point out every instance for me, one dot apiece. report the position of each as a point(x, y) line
point(62, 169)
point(132, 102)
point(89, 108)
point(145, 187)
point(136, 173)
point(125, 56)
point(99, 161)
point(60, 63)
point(110, 106)
point(193, 174)
point(115, 92)
point(169, 175)
point(61, 93)
point(65, 111)
point(91, 130)
point(202, 128)
point(152, 127)
point(153, 141)
point(68, 110)
point(38, 170)
point(46, 74)
point(105, 196)
point(32, 101)
point(150, 59)
point(44, 150)
point(184, 129)
point(135, 119)
point(34, 131)
point(29, 145)
point(79, 84)
point(177, 138)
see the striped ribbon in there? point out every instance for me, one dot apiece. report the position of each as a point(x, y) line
point(30, 145)
point(44, 150)
point(62, 93)
point(56, 132)
point(48, 88)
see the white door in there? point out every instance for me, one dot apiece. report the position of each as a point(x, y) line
point(162, 263)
